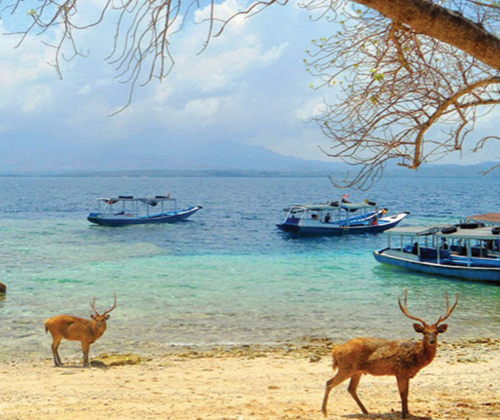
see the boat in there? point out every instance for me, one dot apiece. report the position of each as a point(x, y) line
point(127, 210)
point(338, 218)
point(469, 251)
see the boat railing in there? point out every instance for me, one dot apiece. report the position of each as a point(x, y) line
point(427, 253)
point(133, 207)
point(475, 261)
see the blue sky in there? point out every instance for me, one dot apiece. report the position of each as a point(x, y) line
point(249, 86)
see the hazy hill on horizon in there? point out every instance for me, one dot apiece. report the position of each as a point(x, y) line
point(211, 158)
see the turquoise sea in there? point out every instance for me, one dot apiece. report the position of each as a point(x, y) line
point(228, 275)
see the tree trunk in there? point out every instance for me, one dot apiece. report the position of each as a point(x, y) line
point(428, 18)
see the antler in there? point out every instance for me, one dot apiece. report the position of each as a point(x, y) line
point(448, 310)
point(92, 304)
point(113, 307)
point(405, 309)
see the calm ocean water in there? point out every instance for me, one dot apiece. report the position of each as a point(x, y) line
point(227, 275)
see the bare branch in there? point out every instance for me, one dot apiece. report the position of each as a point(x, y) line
point(396, 91)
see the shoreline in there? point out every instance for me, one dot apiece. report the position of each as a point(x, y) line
point(307, 344)
point(282, 382)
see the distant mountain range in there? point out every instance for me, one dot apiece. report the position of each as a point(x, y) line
point(223, 157)
point(207, 159)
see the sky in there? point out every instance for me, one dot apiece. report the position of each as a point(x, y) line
point(250, 86)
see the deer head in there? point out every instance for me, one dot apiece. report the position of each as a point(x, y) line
point(430, 332)
point(101, 319)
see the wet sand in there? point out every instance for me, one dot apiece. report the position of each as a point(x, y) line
point(248, 383)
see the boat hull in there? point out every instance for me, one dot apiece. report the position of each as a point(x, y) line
point(297, 226)
point(483, 274)
point(171, 217)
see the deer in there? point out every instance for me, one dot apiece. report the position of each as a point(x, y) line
point(72, 328)
point(381, 357)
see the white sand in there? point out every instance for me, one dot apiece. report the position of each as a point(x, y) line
point(461, 383)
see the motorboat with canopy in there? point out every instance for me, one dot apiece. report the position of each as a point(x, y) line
point(338, 218)
point(469, 251)
point(127, 210)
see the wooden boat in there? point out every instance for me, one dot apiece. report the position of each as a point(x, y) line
point(127, 210)
point(338, 218)
point(465, 251)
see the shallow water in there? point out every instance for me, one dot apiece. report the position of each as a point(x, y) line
point(227, 275)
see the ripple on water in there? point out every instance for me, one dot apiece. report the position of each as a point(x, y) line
point(228, 275)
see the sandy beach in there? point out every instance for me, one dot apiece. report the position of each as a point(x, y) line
point(247, 383)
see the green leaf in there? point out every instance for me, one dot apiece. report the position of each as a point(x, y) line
point(374, 100)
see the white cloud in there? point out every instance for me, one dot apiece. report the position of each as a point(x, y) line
point(212, 72)
point(203, 107)
point(312, 108)
point(238, 51)
point(25, 75)
point(37, 97)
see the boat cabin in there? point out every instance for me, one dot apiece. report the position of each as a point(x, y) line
point(129, 206)
point(343, 214)
point(465, 246)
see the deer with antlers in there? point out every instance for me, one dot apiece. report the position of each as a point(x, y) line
point(72, 328)
point(379, 357)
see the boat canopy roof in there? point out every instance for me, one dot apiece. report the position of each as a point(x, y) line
point(413, 230)
point(484, 233)
point(131, 198)
point(487, 217)
point(333, 206)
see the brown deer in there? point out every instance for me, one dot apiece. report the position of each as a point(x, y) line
point(77, 329)
point(379, 357)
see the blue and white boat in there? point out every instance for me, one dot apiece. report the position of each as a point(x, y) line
point(469, 251)
point(338, 218)
point(127, 210)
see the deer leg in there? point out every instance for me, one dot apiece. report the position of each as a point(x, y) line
point(353, 385)
point(332, 383)
point(86, 349)
point(404, 386)
point(55, 353)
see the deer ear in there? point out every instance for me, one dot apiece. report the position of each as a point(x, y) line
point(418, 328)
point(442, 328)
point(107, 316)
point(92, 316)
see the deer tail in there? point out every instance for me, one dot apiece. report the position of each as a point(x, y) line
point(335, 364)
point(46, 326)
